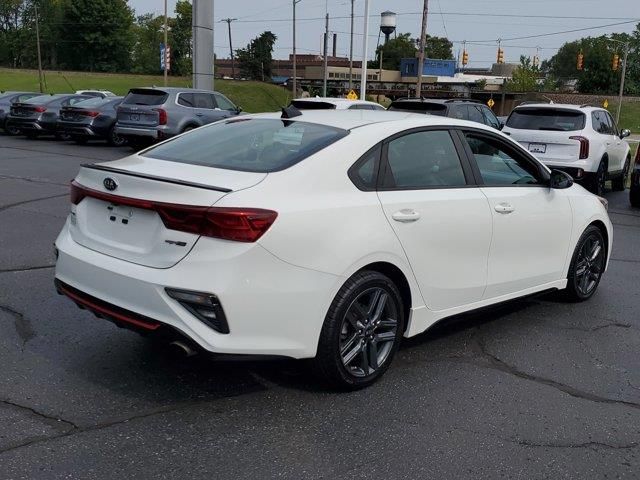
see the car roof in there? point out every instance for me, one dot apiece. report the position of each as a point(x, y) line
point(436, 100)
point(559, 106)
point(335, 101)
point(350, 119)
point(175, 89)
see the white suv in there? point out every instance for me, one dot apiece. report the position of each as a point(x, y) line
point(583, 141)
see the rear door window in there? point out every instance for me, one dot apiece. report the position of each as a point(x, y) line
point(475, 115)
point(145, 97)
point(422, 160)
point(552, 119)
point(203, 100)
point(490, 118)
point(249, 144)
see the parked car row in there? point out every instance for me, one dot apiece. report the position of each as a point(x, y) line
point(143, 116)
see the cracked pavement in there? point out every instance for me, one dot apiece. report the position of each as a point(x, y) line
point(537, 388)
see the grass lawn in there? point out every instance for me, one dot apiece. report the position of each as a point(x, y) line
point(629, 115)
point(251, 96)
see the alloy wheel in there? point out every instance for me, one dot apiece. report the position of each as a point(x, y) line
point(601, 180)
point(368, 332)
point(590, 265)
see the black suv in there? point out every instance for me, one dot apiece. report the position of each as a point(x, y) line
point(461, 108)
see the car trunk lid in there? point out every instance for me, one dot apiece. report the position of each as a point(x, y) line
point(548, 146)
point(116, 213)
point(141, 107)
point(26, 110)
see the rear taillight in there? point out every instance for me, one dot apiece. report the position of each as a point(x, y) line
point(229, 223)
point(162, 116)
point(89, 114)
point(584, 146)
point(40, 109)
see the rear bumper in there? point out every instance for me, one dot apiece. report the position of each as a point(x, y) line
point(272, 307)
point(81, 130)
point(578, 174)
point(30, 125)
point(147, 133)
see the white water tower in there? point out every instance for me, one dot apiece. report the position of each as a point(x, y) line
point(387, 24)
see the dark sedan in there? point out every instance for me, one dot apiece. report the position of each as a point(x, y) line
point(39, 115)
point(6, 99)
point(92, 119)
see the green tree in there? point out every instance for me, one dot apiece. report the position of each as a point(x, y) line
point(97, 35)
point(524, 77)
point(255, 59)
point(181, 33)
point(438, 47)
point(148, 32)
point(394, 50)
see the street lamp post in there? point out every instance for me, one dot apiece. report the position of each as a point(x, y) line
point(295, 74)
point(363, 67)
point(166, 36)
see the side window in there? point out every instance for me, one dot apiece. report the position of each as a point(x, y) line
point(203, 100)
point(224, 103)
point(186, 100)
point(499, 164)
point(423, 159)
point(475, 115)
point(490, 118)
point(599, 123)
point(458, 111)
point(611, 124)
point(364, 173)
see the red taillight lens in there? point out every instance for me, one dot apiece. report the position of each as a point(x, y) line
point(584, 146)
point(237, 224)
point(89, 114)
point(40, 109)
point(162, 116)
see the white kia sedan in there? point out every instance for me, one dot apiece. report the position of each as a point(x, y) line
point(324, 235)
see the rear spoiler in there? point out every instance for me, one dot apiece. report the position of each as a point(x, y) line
point(104, 168)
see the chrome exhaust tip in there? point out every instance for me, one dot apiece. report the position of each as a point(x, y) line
point(182, 349)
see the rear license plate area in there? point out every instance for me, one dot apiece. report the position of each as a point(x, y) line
point(538, 147)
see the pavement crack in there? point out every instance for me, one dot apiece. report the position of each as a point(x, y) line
point(32, 180)
point(22, 324)
point(26, 269)
point(495, 363)
point(529, 443)
point(70, 426)
point(11, 205)
point(595, 328)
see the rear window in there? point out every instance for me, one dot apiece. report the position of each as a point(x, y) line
point(250, 145)
point(420, 107)
point(43, 99)
point(306, 105)
point(546, 119)
point(94, 102)
point(145, 97)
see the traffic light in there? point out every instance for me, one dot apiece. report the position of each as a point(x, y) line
point(616, 62)
point(500, 58)
point(465, 58)
point(580, 61)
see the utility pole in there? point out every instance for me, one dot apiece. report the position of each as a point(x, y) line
point(203, 51)
point(295, 74)
point(365, 42)
point(351, 51)
point(624, 72)
point(166, 46)
point(38, 48)
point(233, 66)
point(325, 65)
point(423, 41)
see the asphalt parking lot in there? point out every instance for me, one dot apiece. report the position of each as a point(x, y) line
point(537, 388)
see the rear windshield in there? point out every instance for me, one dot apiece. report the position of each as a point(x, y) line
point(249, 144)
point(307, 105)
point(43, 99)
point(420, 107)
point(145, 97)
point(94, 102)
point(546, 119)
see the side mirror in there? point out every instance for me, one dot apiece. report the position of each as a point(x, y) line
point(238, 109)
point(501, 126)
point(560, 180)
point(625, 133)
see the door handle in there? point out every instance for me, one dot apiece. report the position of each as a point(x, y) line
point(406, 215)
point(504, 208)
point(199, 114)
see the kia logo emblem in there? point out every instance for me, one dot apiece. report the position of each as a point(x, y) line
point(110, 184)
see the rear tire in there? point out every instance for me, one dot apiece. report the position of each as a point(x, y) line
point(65, 137)
point(361, 332)
point(114, 139)
point(618, 184)
point(11, 130)
point(587, 265)
point(597, 185)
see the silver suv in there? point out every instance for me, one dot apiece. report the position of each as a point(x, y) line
point(151, 114)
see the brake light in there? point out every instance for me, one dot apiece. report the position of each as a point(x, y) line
point(89, 114)
point(162, 116)
point(584, 146)
point(229, 223)
point(40, 109)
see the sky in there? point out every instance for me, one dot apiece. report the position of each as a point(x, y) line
point(455, 19)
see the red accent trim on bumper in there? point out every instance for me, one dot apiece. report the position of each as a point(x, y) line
point(106, 310)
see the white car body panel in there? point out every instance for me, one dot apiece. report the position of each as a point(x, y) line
point(327, 230)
